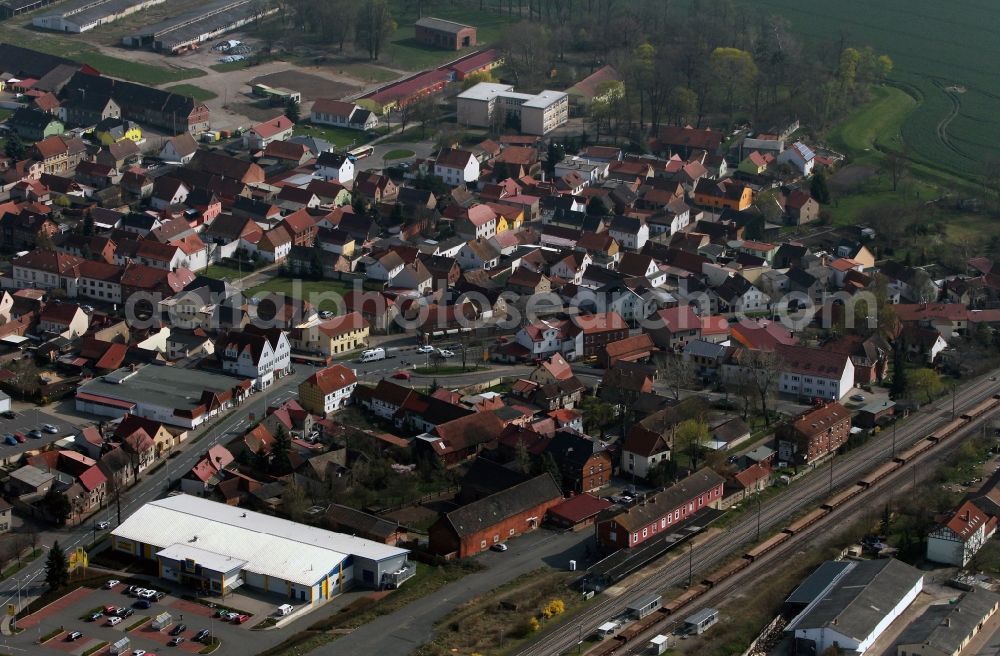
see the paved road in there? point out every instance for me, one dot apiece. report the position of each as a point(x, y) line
point(399, 633)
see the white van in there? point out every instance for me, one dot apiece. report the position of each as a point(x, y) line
point(371, 355)
point(284, 609)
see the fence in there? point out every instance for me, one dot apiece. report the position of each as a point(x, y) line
point(766, 639)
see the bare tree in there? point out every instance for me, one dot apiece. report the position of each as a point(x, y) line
point(676, 373)
point(374, 26)
point(895, 167)
point(760, 371)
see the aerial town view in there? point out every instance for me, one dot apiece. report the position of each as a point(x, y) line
point(499, 327)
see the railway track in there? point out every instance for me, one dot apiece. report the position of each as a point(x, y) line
point(845, 470)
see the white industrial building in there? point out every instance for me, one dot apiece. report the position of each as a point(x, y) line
point(85, 15)
point(850, 604)
point(488, 102)
point(216, 548)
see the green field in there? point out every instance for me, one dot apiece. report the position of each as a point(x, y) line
point(340, 137)
point(944, 54)
point(195, 92)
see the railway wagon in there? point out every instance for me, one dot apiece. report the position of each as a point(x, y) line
point(842, 496)
point(765, 546)
point(913, 451)
point(639, 627)
point(724, 572)
point(805, 520)
point(687, 597)
point(878, 473)
point(980, 408)
point(946, 430)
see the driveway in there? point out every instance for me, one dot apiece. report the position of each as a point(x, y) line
point(399, 633)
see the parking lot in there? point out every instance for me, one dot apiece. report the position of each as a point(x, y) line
point(21, 427)
point(72, 613)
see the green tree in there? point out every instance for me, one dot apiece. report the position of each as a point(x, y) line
point(88, 225)
point(897, 388)
point(315, 266)
point(374, 27)
point(549, 464)
point(56, 568)
point(474, 79)
point(281, 463)
point(690, 436)
point(57, 505)
point(926, 381)
point(522, 457)
point(818, 189)
point(555, 155)
point(734, 71)
point(293, 111)
point(14, 148)
point(682, 103)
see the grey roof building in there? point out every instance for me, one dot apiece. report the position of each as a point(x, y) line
point(851, 606)
point(945, 629)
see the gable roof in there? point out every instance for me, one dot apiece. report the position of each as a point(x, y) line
point(333, 378)
point(493, 509)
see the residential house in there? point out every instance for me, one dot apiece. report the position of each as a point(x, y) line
point(64, 319)
point(642, 450)
point(801, 207)
point(457, 167)
point(800, 157)
point(256, 353)
point(208, 472)
point(726, 193)
point(259, 136)
point(334, 336)
point(342, 114)
point(629, 232)
point(584, 466)
point(335, 166)
point(328, 390)
point(478, 222)
point(179, 149)
point(958, 539)
point(813, 434)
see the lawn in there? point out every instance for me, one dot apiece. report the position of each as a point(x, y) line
point(876, 124)
point(340, 137)
point(324, 294)
point(942, 54)
point(398, 153)
point(195, 92)
point(225, 272)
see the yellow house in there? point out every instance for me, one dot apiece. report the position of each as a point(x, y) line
point(113, 130)
point(508, 216)
point(332, 337)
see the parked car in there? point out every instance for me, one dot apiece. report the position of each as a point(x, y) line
point(179, 629)
point(201, 635)
point(159, 595)
point(426, 349)
point(499, 546)
point(74, 635)
point(140, 652)
point(8, 438)
point(176, 640)
point(109, 610)
point(113, 620)
point(402, 375)
point(125, 612)
point(103, 526)
point(242, 619)
point(857, 397)
point(95, 616)
point(326, 314)
point(8, 414)
point(49, 428)
point(445, 353)
point(221, 612)
point(35, 433)
point(143, 604)
point(230, 616)
point(111, 583)
point(20, 438)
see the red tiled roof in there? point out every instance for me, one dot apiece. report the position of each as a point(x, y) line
point(333, 378)
point(273, 126)
point(579, 508)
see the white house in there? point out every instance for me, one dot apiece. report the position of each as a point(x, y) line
point(629, 232)
point(547, 337)
point(956, 541)
point(800, 157)
point(342, 114)
point(179, 149)
point(335, 166)
point(478, 254)
point(328, 390)
point(737, 295)
point(278, 128)
point(65, 319)
point(457, 167)
point(642, 450)
point(256, 353)
point(481, 223)
point(814, 372)
point(384, 267)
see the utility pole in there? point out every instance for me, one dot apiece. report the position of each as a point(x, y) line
point(831, 472)
point(953, 401)
point(690, 562)
point(894, 438)
point(758, 514)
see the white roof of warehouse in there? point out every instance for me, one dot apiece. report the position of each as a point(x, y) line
point(270, 546)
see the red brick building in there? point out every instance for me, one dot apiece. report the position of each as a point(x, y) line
point(496, 518)
point(814, 433)
point(582, 467)
point(661, 511)
point(600, 330)
point(440, 33)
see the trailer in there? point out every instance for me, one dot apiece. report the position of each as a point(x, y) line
point(878, 474)
point(804, 521)
point(687, 597)
point(946, 430)
point(842, 496)
point(723, 573)
point(980, 408)
point(765, 546)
